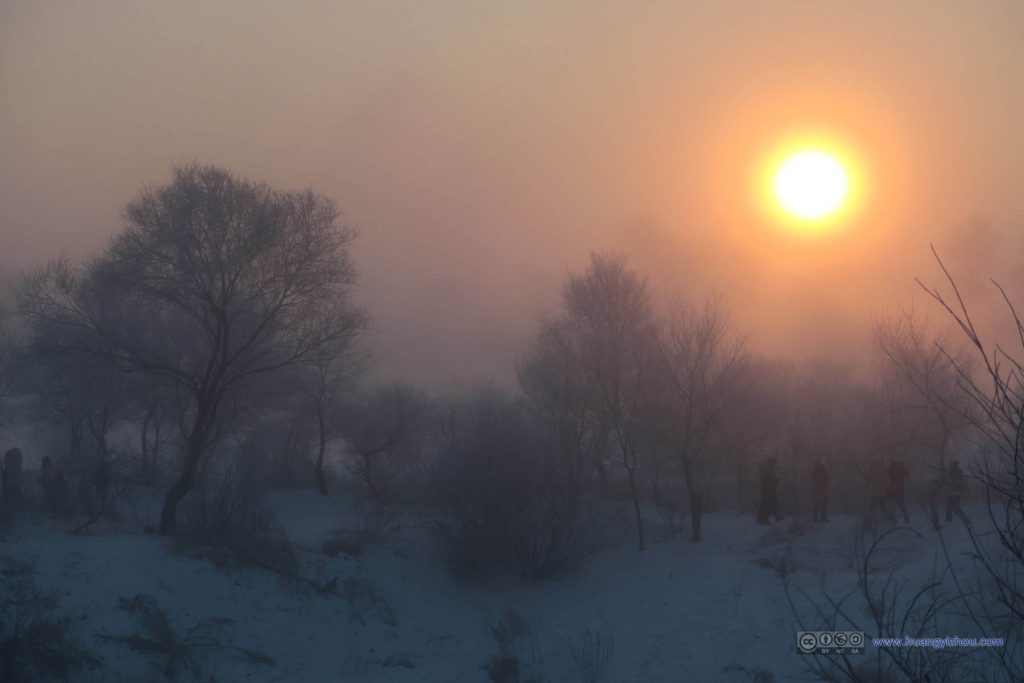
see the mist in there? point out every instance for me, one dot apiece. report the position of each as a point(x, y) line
point(483, 152)
point(520, 342)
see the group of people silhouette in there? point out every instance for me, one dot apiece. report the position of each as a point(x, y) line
point(52, 483)
point(51, 480)
point(887, 486)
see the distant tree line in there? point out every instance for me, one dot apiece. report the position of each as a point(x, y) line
point(222, 318)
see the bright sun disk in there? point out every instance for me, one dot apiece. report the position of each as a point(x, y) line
point(811, 185)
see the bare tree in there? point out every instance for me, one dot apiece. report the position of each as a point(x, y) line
point(916, 367)
point(996, 391)
point(552, 379)
point(829, 418)
point(608, 311)
point(496, 478)
point(83, 393)
point(703, 373)
point(8, 346)
point(332, 374)
point(886, 601)
point(214, 281)
point(153, 411)
point(384, 427)
point(920, 385)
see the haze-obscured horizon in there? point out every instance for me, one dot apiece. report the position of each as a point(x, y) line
point(484, 151)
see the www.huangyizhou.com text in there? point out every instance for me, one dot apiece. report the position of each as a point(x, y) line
point(937, 643)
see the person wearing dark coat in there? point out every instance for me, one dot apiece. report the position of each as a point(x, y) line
point(898, 474)
point(10, 479)
point(819, 492)
point(10, 489)
point(769, 484)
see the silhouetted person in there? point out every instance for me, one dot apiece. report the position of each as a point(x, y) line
point(819, 492)
point(10, 479)
point(898, 474)
point(878, 486)
point(956, 486)
point(55, 487)
point(769, 481)
point(10, 489)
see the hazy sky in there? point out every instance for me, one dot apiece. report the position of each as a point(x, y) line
point(484, 149)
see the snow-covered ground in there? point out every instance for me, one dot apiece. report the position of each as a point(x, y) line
point(711, 611)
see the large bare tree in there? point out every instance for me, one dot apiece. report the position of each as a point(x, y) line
point(213, 281)
point(995, 389)
point(921, 381)
point(608, 311)
point(552, 379)
point(697, 395)
point(7, 350)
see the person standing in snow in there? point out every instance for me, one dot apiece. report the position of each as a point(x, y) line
point(878, 485)
point(769, 506)
point(10, 479)
point(819, 491)
point(898, 474)
point(956, 486)
point(10, 489)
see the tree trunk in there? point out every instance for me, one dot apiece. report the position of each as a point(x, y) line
point(696, 511)
point(575, 455)
point(602, 480)
point(370, 480)
point(144, 444)
point(101, 443)
point(321, 477)
point(196, 443)
point(740, 481)
point(169, 513)
point(696, 502)
point(602, 472)
point(574, 476)
point(75, 447)
point(636, 508)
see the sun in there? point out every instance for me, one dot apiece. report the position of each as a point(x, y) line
point(811, 185)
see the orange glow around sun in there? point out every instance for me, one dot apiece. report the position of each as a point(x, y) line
point(810, 186)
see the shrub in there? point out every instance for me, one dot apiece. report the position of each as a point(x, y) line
point(518, 656)
point(547, 539)
point(591, 653)
point(372, 524)
point(504, 504)
point(35, 641)
point(508, 634)
point(536, 536)
point(361, 597)
point(503, 669)
point(176, 651)
point(233, 516)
